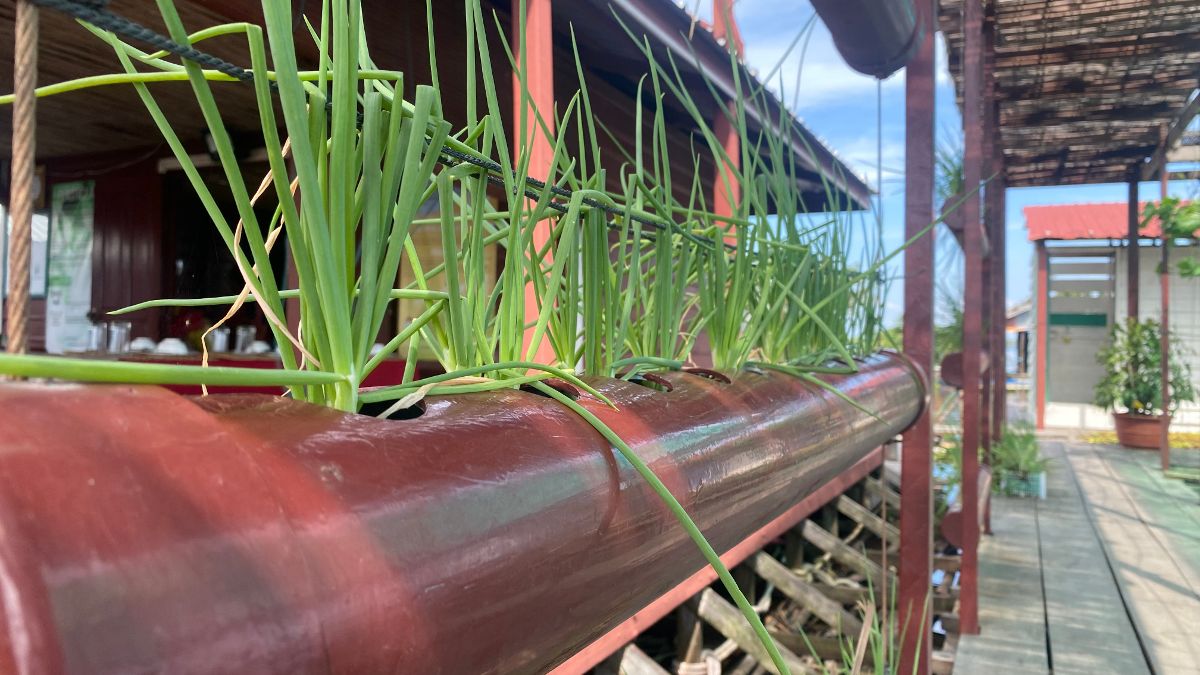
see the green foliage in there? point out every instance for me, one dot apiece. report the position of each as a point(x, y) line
point(619, 280)
point(1132, 366)
point(1179, 220)
point(948, 337)
point(1017, 451)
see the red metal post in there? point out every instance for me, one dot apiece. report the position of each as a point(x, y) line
point(998, 206)
point(1132, 252)
point(1042, 327)
point(726, 190)
point(987, 270)
point(533, 90)
point(916, 497)
point(972, 308)
point(1164, 341)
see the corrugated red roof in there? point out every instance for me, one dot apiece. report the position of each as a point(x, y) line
point(1108, 220)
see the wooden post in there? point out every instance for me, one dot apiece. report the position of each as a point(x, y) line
point(1043, 327)
point(1164, 341)
point(972, 307)
point(1132, 251)
point(533, 90)
point(916, 466)
point(24, 142)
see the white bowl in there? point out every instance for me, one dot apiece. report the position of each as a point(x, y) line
point(172, 346)
point(143, 345)
point(258, 347)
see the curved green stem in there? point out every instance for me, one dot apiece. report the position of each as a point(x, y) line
point(682, 516)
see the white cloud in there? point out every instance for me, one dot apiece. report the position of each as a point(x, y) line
point(823, 76)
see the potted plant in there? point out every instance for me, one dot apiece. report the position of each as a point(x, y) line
point(1017, 464)
point(1131, 387)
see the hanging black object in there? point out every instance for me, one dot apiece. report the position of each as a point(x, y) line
point(875, 37)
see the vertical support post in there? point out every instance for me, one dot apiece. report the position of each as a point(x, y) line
point(1043, 338)
point(999, 360)
point(24, 142)
point(916, 467)
point(726, 190)
point(987, 426)
point(1132, 252)
point(972, 309)
point(1164, 340)
point(533, 93)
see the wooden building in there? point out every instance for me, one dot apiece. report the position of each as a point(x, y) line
point(151, 238)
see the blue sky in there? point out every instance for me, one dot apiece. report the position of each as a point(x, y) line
point(840, 106)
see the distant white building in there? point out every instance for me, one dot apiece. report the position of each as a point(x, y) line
point(1080, 291)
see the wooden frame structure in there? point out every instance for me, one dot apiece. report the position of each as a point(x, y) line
point(1072, 92)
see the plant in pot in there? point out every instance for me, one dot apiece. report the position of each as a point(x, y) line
point(1131, 387)
point(1018, 466)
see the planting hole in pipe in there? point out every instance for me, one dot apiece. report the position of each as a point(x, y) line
point(376, 408)
point(560, 386)
point(709, 374)
point(652, 381)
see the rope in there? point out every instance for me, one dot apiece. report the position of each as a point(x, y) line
point(21, 202)
point(96, 13)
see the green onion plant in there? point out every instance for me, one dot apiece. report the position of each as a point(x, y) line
point(619, 263)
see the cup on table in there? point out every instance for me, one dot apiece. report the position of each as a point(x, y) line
point(118, 336)
point(218, 340)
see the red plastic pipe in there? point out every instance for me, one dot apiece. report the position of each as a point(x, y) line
point(143, 531)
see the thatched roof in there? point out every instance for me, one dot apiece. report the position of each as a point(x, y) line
point(1085, 88)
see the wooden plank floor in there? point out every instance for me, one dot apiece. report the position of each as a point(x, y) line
point(1150, 528)
point(1101, 577)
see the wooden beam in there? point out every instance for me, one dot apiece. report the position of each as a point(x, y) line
point(872, 521)
point(634, 661)
point(728, 621)
point(916, 513)
point(806, 595)
point(884, 492)
point(1176, 128)
point(844, 553)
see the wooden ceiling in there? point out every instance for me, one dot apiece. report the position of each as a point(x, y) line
point(1084, 88)
point(110, 124)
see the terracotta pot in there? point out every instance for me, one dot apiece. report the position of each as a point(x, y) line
point(1139, 431)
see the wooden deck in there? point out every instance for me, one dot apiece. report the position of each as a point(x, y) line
point(1101, 577)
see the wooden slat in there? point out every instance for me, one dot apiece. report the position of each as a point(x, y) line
point(881, 490)
point(1084, 86)
point(806, 595)
point(728, 621)
point(844, 553)
point(872, 521)
point(823, 648)
point(634, 661)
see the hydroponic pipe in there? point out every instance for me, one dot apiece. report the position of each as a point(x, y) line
point(874, 37)
point(141, 531)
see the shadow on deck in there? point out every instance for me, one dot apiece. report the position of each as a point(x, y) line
point(1103, 576)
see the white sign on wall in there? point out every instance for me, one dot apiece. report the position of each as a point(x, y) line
point(69, 270)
